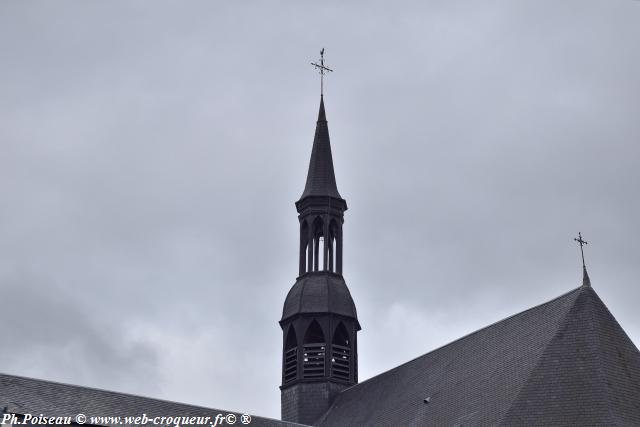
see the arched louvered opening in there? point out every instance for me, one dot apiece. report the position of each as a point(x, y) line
point(318, 244)
point(341, 353)
point(304, 248)
point(313, 352)
point(290, 369)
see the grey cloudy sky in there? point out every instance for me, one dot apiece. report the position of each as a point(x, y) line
point(151, 153)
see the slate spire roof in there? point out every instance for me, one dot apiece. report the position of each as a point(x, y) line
point(566, 362)
point(321, 179)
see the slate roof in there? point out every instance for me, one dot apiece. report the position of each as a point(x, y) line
point(321, 179)
point(319, 292)
point(20, 395)
point(566, 362)
point(563, 363)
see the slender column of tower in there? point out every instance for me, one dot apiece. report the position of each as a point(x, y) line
point(319, 319)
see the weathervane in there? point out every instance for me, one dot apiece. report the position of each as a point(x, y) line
point(581, 242)
point(322, 70)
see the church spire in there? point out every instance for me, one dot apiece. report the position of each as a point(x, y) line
point(323, 233)
point(319, 319)
point(321, 179)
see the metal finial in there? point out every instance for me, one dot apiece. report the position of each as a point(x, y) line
point(322, 69)
point(581, 242)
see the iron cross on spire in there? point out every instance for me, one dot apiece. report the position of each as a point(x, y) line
point(581, 242)
point(322, 69)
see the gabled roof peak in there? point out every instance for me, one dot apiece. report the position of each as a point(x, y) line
point(585, 277)
point(564, 362)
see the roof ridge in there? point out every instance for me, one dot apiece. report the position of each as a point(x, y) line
point(592, 322)
point(464, 336)
point(103, 390)
point(597, 323)
point(118, 393)
point(533, 368)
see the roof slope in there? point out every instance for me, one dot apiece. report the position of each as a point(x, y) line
point(20, 395)
point(590, 360)
point(566, 362)
point(321, 179)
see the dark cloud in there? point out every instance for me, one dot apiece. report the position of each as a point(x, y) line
point(151, 157)
point(51, 335)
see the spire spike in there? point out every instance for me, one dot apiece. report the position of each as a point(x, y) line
point(585, 276)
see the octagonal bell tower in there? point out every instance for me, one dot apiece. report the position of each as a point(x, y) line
point(319, 320)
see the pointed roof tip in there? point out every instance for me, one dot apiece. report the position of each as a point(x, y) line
point(585, 277)
point(322, 117)
point(321, 179)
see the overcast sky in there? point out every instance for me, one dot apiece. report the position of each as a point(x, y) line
point(151, 153)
